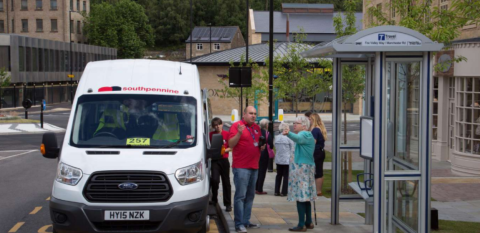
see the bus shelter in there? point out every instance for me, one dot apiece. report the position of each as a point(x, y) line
point(394, 142)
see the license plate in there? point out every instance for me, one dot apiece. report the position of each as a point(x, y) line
point(115, 215)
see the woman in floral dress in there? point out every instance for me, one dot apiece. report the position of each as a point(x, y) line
point(301, 180)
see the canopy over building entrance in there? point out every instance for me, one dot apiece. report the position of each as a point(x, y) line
point(395, 129)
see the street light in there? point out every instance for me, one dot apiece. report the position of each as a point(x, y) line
point(70, 60)
point(210, 25)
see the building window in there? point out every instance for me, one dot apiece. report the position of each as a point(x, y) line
point(79, 31)
point(21, 58)
point(444, 7)
point(71, 5)
point(38, 4)
point(78, 5)
point(393, 12)
point(12, 4)
point(85, 6)
point(13, 26)
point(24, 25)
point(216, 47)
point(53, 4)
point(467, 120)
point(199, 46)
point(39, 25)
point(24, 5)
point(2, 26)
point(435, 109)
point(54, 25)
point(1, 5)
point(35, 59)
point(71, 26)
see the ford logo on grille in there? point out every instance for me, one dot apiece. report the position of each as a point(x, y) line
point(128, 186)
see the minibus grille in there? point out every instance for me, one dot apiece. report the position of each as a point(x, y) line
point(148, 187)
point(126, 226)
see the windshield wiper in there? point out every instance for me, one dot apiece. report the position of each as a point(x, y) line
point(124, 146)
point(176, 143)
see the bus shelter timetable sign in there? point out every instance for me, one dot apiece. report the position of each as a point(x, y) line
point(388, 39)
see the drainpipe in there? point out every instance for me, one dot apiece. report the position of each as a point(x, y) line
point(288, 28)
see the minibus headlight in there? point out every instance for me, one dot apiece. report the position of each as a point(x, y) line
point(68, 175)
point(191, 174)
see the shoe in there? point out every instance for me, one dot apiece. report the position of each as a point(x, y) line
point(310, 226)
point(319, 194)
point(276, 194)
point(283, 195)
point(260, 193)
point(253, 226)
point(298, 229)
point(228, 209)
point(241, 229)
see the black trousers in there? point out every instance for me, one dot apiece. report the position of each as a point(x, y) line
point(282, 172)
point(262, 170)
point(221, 168)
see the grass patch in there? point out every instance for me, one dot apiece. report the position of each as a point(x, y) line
point(327, 181)
point(328, 156)
point(452, 226)
point(18, 121)
point(457, 227)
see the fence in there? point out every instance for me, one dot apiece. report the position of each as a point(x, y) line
point(12, 97)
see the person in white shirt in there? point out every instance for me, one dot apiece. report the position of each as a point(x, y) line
point(285, 150)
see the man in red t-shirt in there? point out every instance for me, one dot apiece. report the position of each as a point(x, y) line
point(243, 139)
point(221, 168)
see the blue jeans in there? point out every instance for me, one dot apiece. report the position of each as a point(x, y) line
point(244, 180)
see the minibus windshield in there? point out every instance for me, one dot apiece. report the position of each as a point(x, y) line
point(134, 121)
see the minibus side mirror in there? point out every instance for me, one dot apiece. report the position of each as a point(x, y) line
point(49, 147)
point(215, 150)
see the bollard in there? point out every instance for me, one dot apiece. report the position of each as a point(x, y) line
point(280, 115)
point(234, 116)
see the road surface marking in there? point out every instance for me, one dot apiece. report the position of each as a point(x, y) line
point(18, 154)
point(13, 151)
point(48, 199)
point(16, 227)
point(44, 229)
point(38, 208)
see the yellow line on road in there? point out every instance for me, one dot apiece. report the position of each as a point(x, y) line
point(38, 208)
point(44, 229)
point(16, 227)
point(48, 199)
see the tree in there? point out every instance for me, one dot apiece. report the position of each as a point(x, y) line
point(353, 78)
point(4, 82)
point(441, 25)
point(122, 25)
point(296, 76)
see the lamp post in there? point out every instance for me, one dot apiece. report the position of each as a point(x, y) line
point(70, 55)
point(191, 28)
point(210, 25)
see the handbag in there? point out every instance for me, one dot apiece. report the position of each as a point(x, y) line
point(271, 154)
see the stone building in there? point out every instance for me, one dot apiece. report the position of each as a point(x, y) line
point(213, 39)
point(45, 19)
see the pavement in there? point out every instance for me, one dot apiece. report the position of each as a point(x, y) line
point(34, 113)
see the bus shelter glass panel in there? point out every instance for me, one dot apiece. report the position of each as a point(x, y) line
point(403, 206)
point(403, 105)
point(352, 108)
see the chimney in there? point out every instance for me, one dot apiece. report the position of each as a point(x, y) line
point(288, 28)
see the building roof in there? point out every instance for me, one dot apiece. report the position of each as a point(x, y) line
point(257, 53)
point(219, 34)
point(306, 5)
point(321, 23)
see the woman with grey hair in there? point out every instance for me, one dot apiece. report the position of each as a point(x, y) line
point(301, 180)
point(264, 158)
point(284, 154)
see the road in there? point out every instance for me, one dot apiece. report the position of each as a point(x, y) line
point(26, 178)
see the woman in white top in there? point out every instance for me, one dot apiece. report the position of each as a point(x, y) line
point(285, 150)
